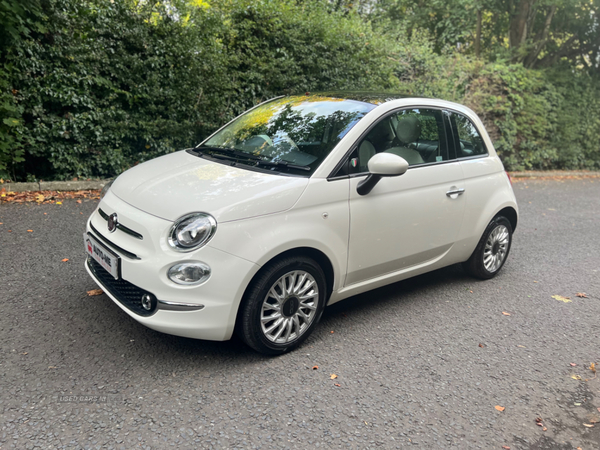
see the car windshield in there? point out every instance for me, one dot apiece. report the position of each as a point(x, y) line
point(292, 134)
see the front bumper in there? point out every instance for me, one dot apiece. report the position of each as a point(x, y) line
point(205, 311)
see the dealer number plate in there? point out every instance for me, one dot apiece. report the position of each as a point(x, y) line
point(106, 259)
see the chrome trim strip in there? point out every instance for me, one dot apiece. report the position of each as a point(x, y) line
point(122, 227)
point(175, 306)
point(112, 245)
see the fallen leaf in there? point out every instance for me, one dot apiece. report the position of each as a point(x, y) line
point(95, 292)
point(538, 419)
point(500, 408)
point(51, 367)
point(521, 346)
point(588, 425)
point(560, 298)
point(338, 385)
point(331, 331)
point(505, 313)
point(582, 295)
point(576, 377)
point(47, 196)
point(333, 376)
point(59, 203)
point(506, 447)
point(592, 420)
point(24, 353)
point(573, 364)
point(544, 429)
point(540, 424)
point(592, 367)
point(315, 367)
point(30, 231)
point(65, 259)
point(78, 201)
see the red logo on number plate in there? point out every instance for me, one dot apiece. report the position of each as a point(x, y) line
point(89, 246)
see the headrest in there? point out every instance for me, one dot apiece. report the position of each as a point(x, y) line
point(383, 130)
point(408, 129)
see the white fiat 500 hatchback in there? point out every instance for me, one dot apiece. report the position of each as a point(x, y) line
point(296, 204)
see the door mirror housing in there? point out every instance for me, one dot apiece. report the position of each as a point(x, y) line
point(381, 165)
point(387, 165)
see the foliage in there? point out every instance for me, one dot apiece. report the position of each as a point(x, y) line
point(89, 88)
point(113, 83)
point(17, 19)
point(537, 119)
point(536, 33)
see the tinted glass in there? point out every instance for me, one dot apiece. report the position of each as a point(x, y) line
point(470, 141)
point(291, 134)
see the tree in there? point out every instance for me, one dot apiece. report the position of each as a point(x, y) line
point(537, 33)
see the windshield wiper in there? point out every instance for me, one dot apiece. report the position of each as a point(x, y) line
point(283, 164)
point(229, 151)
point(232, 154)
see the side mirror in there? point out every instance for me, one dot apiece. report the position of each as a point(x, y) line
point(381, 165)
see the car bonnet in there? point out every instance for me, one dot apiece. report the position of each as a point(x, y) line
point(180, 183)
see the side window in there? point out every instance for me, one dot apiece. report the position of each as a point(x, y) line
point(469, 140)
point(417, 135)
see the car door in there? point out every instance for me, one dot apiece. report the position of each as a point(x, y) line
point(411, 220)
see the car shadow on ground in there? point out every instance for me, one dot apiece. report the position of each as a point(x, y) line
point(403, 292)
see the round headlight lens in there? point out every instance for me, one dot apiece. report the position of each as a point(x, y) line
point(189, 273)
point(192, 231)
point(106, 188)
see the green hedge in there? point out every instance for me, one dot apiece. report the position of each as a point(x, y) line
point(537, 119)
point(90, 88)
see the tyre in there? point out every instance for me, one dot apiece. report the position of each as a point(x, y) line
point(282, 305)
point(492, 250)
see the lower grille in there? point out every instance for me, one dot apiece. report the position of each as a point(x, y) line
point(129, 295)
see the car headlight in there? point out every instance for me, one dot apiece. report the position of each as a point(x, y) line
point(106, 188)
point(192, 231)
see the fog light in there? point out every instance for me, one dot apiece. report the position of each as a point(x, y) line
point(146, 302)
point(189, 273)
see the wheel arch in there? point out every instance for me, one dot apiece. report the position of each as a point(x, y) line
point(511, 214)
point(321, 258)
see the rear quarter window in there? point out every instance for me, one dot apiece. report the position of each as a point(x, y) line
point(469, 141)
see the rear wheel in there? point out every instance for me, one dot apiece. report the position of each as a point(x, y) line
point(492, 249)
point(283, 305)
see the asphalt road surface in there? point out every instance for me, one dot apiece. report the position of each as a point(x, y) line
point(419, 363)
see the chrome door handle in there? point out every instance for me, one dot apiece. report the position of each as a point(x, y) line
point(455, 192)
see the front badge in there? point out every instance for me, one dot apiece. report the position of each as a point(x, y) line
point(112, 222)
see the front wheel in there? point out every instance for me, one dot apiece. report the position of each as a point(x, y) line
point(283, 305)
point(492, 250)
